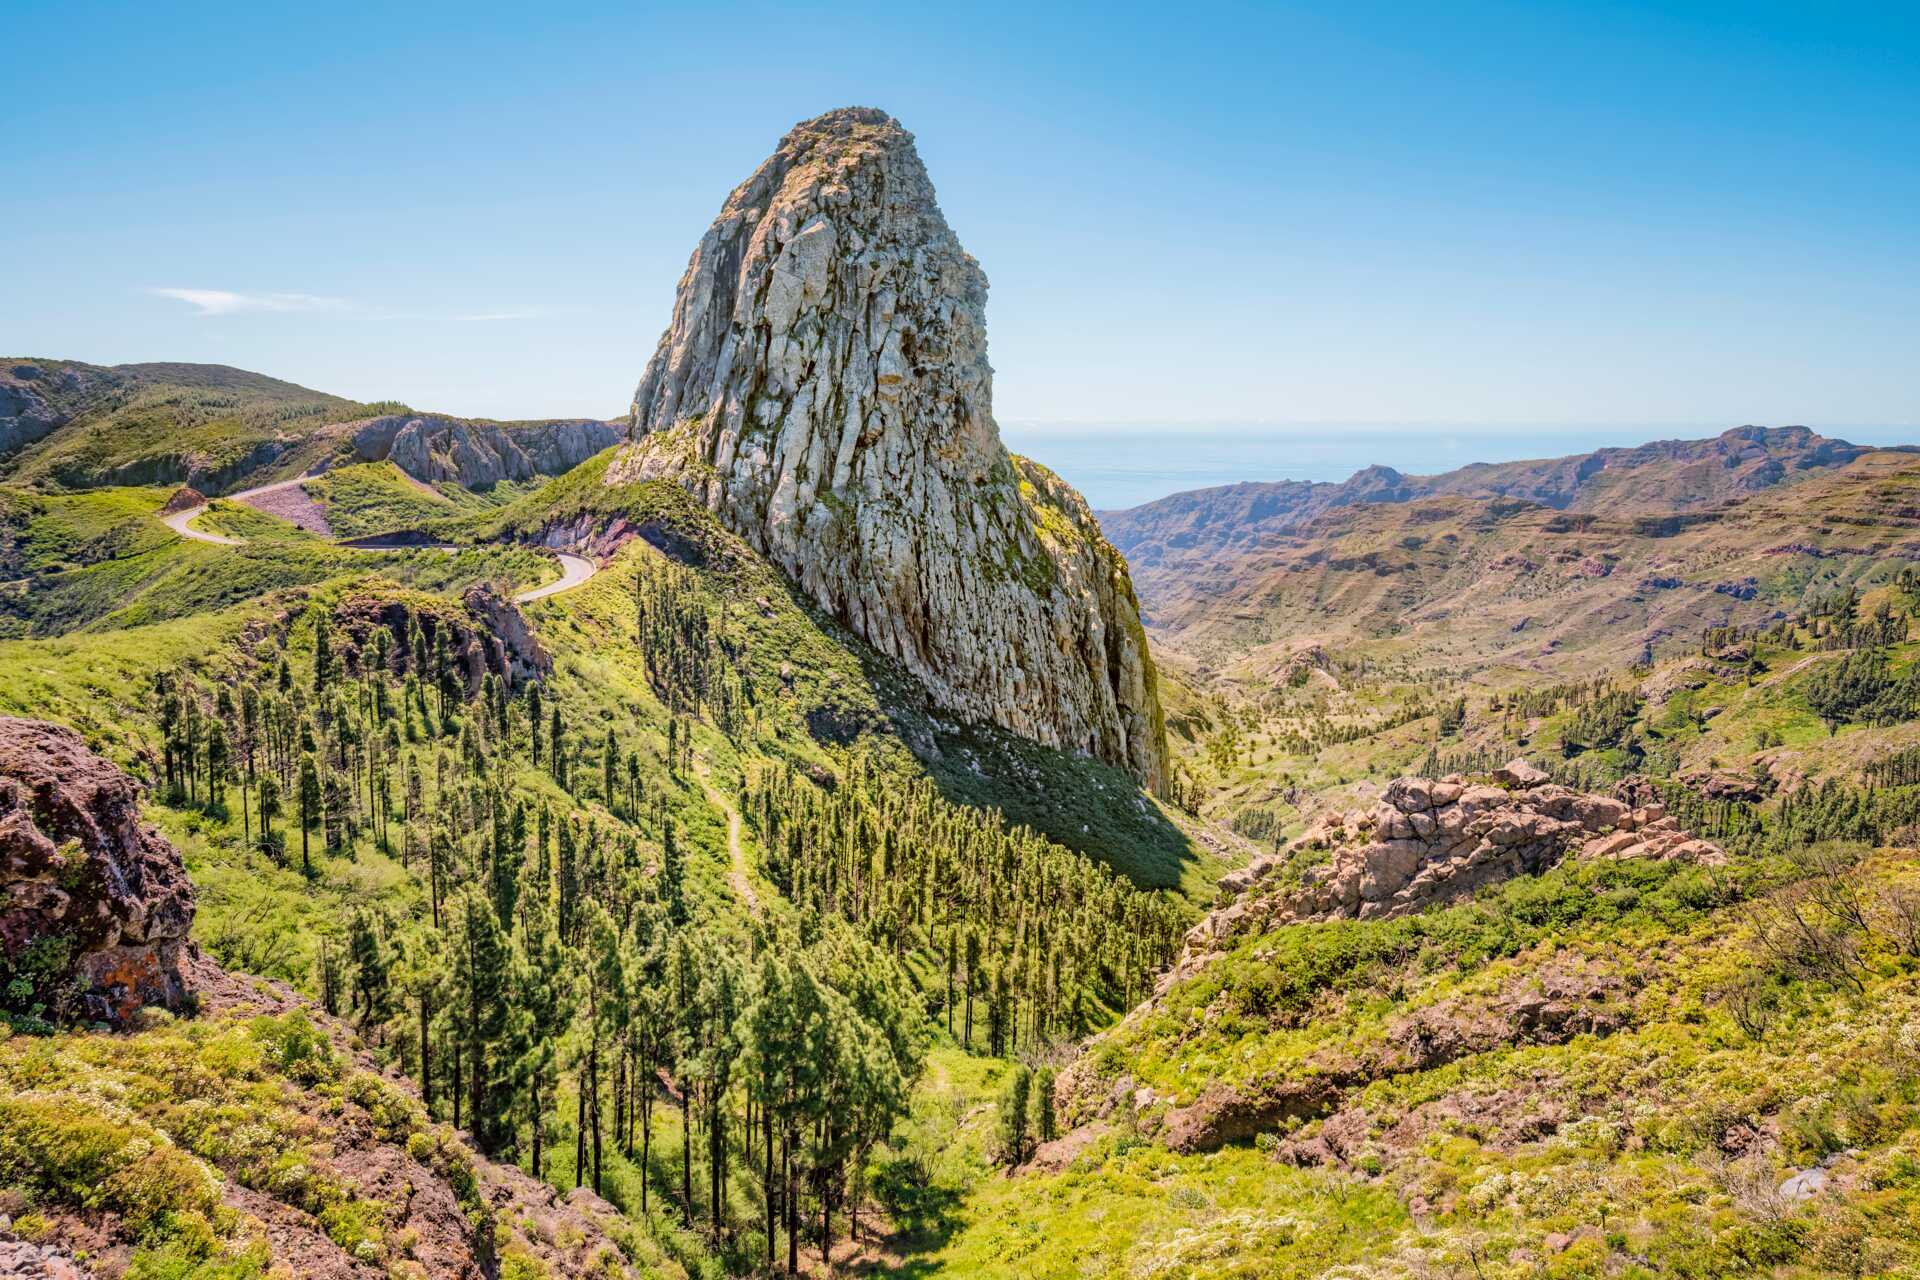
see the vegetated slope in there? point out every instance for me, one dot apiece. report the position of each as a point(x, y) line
point(68, 424)
point(1617, 1068)
point(855, 697)
point(473, 837)
point(101, 560)
point(247, 1140)
point(79, 425)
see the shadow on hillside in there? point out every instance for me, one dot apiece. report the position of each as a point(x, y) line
point(925, 1217)
point(1073, 799)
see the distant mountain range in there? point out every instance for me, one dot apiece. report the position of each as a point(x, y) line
point(1517, 560)
point(1666, 475)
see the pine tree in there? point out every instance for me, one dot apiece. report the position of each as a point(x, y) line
point(546, 1003)
point(322, 653)
point(486, 971)
point(609, 765)
point(1013, 1115)
point(1041, 1124)
point(372, 981)
point(309, 805)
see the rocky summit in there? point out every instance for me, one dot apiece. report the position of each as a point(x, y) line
point(824, 388)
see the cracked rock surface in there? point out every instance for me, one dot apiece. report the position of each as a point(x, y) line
point(824, 389)
point(82, 874)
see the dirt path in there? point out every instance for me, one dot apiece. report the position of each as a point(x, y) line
point(737, 876)
point(574, 570)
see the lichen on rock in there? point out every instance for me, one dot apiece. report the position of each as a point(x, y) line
point(94, 904)
point(824, 389)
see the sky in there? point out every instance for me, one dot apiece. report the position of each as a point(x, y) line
point(1238, 216)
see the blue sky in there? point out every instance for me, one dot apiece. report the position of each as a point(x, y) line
point(1456, 213)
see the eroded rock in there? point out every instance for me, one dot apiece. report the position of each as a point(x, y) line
point(1433, 841)
point(96, 904)
point(824, 389)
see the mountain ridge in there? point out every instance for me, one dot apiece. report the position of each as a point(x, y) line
point(1687, 473)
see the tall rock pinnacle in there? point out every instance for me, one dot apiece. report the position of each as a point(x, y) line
point(824, 389)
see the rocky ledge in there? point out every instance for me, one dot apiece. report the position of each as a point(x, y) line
point(94, 904)
point(1428, 842)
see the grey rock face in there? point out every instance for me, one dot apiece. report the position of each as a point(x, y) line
point(433, 448)
point(824, 389)
point(33, 402)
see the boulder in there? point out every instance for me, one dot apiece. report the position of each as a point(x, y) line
point(1518, 773)
point(185, 498)
point(95, 905)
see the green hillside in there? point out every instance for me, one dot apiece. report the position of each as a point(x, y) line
point(716, 815)
point(165, 424)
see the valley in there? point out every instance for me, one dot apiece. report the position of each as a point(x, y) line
point(863, 858)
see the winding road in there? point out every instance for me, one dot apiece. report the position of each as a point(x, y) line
point(574, 569)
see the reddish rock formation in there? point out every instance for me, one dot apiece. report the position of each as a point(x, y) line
point(94, 905)
point(1428, 842)
point(185, 498)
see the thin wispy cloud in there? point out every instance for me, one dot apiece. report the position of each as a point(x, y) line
point(224, 302)
point(523, 313)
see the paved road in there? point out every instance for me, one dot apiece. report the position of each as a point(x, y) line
point(574, 570)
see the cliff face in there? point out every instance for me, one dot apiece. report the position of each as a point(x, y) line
point(824, 389)
point(94, 905)
point(433, 447)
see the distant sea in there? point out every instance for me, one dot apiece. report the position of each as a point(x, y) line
point(1124, 465)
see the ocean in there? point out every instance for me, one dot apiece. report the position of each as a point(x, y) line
point(1123, 465)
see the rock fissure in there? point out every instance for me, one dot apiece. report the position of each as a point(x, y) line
point(824, 389)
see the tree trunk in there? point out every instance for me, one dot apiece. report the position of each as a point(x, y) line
point(766, 1118)
point(426, 1060)
point(646, 1146)
point(593, 1070)
point(686, 1154)
point(580, 1133)
point(536, 1129)
point(716, 1161)
point(792, 1205)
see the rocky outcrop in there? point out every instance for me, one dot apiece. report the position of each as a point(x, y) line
point(185, 498)
point(95, 905)
point(433, 448)
point(1428, 842)
point(488, 635)
point(1555, 999)
point(824, 388)
point(26, 415)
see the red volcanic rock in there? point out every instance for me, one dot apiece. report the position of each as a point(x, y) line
point(185, 498)
point(93, 902)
